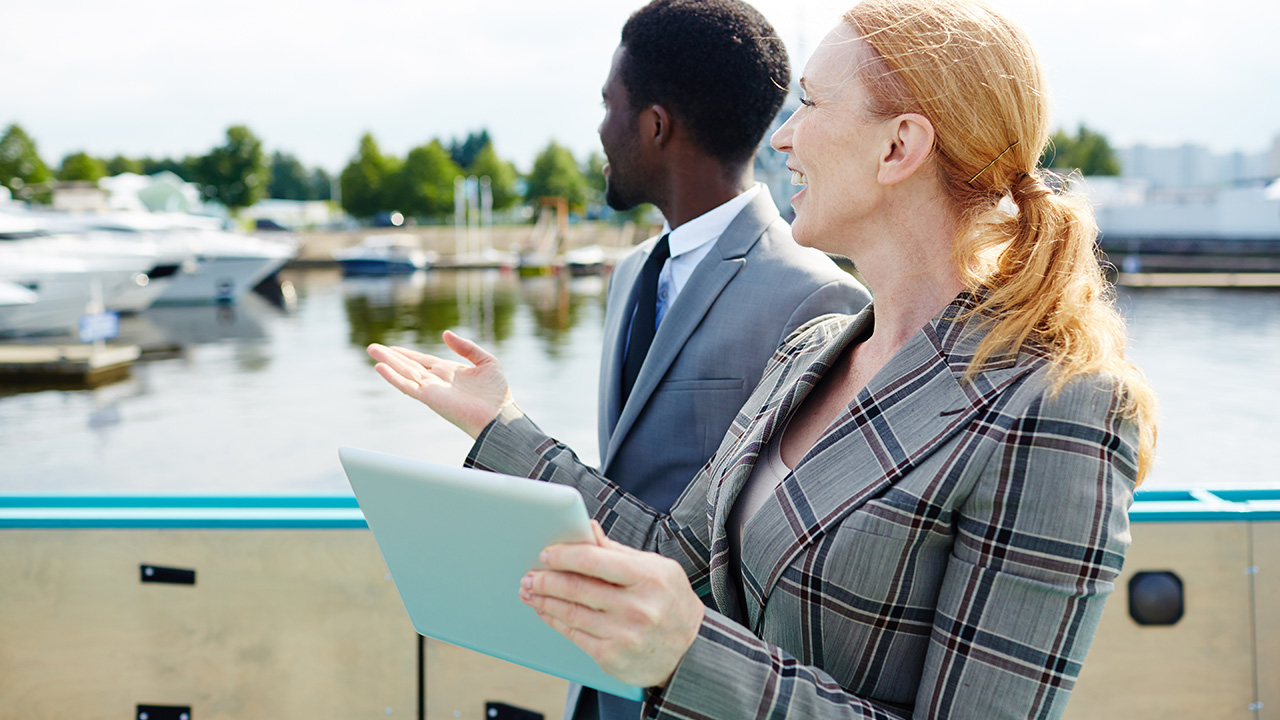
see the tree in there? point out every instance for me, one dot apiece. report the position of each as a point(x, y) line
point(502, 176)
point(21, 168)
point(464, 153)
point(121, 164)
point(1089, 152)
point(593, 170)
point(555, 174)
point(187, 168)
point(235, 173)
point(366, 181)
point(289, 179)
point(424, 184)
point(81, 166)
point(320, 185)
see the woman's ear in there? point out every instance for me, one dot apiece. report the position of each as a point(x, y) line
point(910, 142)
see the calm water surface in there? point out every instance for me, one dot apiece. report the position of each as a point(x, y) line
point(255, 399)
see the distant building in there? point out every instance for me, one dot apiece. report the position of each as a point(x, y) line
point(1196, 166)
point(79, 197)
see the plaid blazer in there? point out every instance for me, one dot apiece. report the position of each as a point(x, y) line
point(944, 551)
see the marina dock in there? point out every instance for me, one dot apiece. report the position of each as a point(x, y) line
point(73, 364)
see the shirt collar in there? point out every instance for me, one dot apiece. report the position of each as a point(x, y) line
point(709, 225)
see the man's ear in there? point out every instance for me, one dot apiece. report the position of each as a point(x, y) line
point(656, 126)
point(909, 143)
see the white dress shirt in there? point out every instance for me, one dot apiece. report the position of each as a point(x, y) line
point(691, 242)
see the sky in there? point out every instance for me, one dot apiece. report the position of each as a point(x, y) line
point(309, 77)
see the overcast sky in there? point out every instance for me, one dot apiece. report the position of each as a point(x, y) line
point(166, 77)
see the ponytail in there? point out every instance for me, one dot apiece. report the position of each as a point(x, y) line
point(1045, 286)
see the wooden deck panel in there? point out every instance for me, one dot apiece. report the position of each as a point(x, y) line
point(1200, 667)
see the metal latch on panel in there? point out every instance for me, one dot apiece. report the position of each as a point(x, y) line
point(503, 711)
point(1156, 598)
point(163, 712)
point(173, 576)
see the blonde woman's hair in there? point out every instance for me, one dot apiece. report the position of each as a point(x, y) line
point(974, 75)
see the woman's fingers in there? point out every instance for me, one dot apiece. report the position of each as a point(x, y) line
point(398, 381)
point(396, 359)
point(425, 360)
point(467, 349)
point(606, 563)
point(582, 590)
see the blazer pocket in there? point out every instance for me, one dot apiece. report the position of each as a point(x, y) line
point(703, 384)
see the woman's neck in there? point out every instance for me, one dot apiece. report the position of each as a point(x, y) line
point(912, 275)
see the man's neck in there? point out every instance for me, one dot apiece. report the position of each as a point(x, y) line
point(697, 188)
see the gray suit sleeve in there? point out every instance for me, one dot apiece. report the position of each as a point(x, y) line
point(512, 444)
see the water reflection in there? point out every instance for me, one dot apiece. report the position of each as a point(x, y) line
point(416, 309)
point(255, 398)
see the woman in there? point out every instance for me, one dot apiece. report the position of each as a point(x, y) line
point(921, 509)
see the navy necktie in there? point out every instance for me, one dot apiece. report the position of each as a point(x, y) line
point(644, 321)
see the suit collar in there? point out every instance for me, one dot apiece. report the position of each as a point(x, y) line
point(683, 317)
point(918, 401)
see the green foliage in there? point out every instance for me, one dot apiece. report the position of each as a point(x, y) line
point(320, 185)
point(237, 171)
point(465, 153)
point(367, 181)
point(424, 184)
point(555, 174)
point(21, 168)
point(120, 164)
point(289, 179)
point(187, 168)
point(1089, 152)
point(593, 170)
point(81, 166)
point(502, 176)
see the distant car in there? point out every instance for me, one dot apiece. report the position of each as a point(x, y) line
point(268, 225)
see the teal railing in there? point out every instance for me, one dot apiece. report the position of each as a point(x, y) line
point(340, 512)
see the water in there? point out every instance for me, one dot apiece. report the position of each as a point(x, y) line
point(255, 399)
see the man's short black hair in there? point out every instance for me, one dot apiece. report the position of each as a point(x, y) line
point(717, 64)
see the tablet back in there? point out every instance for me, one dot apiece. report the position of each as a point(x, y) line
point(458, 541)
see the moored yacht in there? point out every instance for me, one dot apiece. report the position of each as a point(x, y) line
point(155, 270)
point(65, 288)
point(215, 265)
point(384, 255)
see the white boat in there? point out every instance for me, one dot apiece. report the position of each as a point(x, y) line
point(217, 266)
point(384, 255)
point(14, 295)
point(154, 270)
point(65, 288)
point(226, 266)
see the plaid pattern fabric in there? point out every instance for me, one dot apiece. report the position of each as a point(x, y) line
point(943, 552)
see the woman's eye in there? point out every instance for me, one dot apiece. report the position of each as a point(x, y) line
point(806, 102)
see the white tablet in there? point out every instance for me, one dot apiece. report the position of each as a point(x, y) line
point(458, 541)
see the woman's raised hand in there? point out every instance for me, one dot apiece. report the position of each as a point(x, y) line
point(468, 395)
point(633, 612)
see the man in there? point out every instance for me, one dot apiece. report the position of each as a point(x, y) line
point(693, 87)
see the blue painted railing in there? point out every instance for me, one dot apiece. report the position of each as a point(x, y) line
point(340, 512)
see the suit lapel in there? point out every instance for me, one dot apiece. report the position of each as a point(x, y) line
point(917, 402)
point(617, 320)
point(684, 316)
point(798, 380)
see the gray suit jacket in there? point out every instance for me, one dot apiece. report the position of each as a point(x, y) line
point(944, 551)
point(751, 290)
